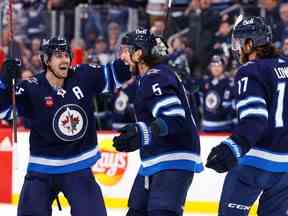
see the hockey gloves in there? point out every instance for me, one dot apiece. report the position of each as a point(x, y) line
point(135, 135)
point(11, 70)
point(225, 156)
point(131, 137)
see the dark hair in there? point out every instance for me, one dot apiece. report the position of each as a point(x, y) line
point(267, 51)
point(151, 60)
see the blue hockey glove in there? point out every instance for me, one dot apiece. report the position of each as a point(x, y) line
point(135, 135)
point(11, 70)
point(225, 156)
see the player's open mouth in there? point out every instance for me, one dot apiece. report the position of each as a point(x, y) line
point(63, 67)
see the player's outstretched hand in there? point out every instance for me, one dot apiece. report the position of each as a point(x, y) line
point(129, 139)
point(221, 158)
point(11, 70)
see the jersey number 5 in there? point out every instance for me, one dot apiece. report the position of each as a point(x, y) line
point(156, 89)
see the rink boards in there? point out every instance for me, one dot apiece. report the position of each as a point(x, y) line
point(115, 172)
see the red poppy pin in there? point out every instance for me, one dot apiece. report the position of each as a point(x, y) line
point(49, 102)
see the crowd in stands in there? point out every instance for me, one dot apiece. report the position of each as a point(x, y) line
point(198, 33)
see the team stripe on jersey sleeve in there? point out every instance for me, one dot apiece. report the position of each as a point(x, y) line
point(169, 106)
point(266, 160)
point(114, 75)
point(111, 78)
point(256, 112)
point(107, 87)
point(250, 100)
point(252, 106)
point(175, 160)
point(174, 112)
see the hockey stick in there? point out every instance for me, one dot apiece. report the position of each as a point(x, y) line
point(14, 111)
point(11, 49)
point(167, 15)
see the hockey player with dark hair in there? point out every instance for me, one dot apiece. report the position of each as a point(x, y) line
point(63, 142)
point(164, 131)
point(256, 153)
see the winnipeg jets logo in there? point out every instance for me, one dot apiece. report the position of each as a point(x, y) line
point(212, 101)
point(70, 122)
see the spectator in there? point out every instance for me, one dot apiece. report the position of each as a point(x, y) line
point(270, 10)
point(119, 14)
point(284, 20)
point(156, 9)
point(93, 26)
point(113, 33)
point(26, 74)
point(177, 19)
point(221, 5)
point(78, 51)
point(158, 27)
point(36, 23)
point(35, 45)
point(223, 36)
point(36, 65)
point(101, 45)
point(178, 57)
point(285, 48)
point(90, 38)
point(101, 50)
point(204, 22)
point(6, 44)
point(217, 99)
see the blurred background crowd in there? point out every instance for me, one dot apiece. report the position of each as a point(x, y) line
point(198, 33)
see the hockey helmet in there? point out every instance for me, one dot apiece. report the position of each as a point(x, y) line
point(253, 28)
point(52, 45)
point(143, 39)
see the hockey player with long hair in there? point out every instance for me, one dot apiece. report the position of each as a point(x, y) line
point(255, 155)
point(164, 131)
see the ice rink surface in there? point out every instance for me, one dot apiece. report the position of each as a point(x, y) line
point(10, 210)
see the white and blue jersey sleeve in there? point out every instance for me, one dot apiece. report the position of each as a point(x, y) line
point(251, 104)
point(163, 102)
point(6, 100)
point(104, 78)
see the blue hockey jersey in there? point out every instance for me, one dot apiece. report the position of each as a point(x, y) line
point(217, 97)
point(262, 106)
point(161, 95)
point(63, 128)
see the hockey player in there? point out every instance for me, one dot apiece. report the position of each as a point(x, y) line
point(165, 131)
point(217, 98)
point(256, 153)
point(63, 142)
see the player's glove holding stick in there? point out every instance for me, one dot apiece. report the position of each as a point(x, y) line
point(11, 70)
